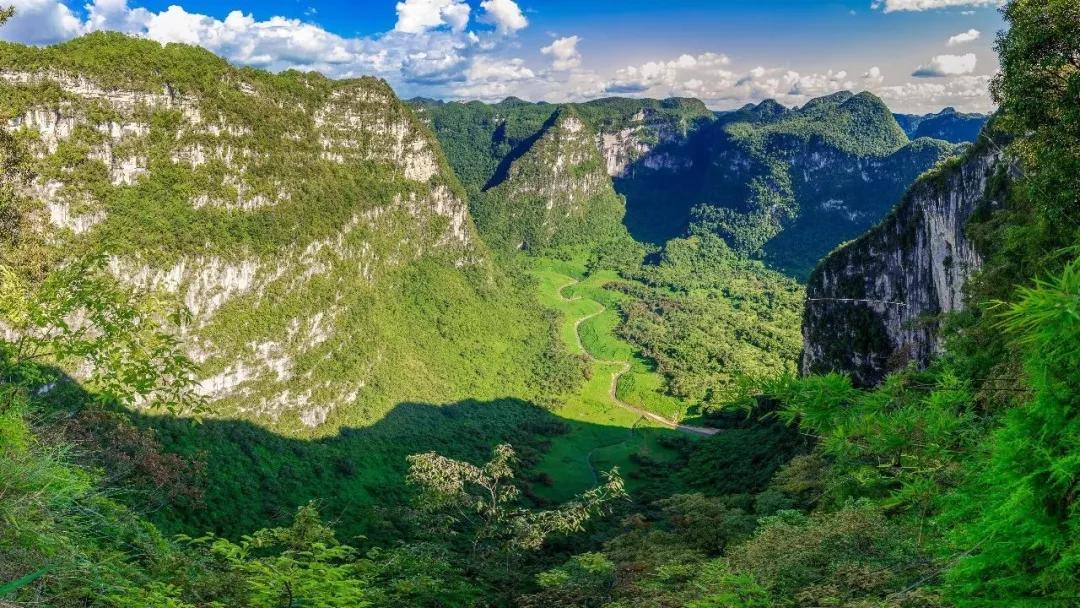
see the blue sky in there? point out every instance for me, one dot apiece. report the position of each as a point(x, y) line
point(919, 55)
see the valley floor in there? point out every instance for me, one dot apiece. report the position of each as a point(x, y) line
point(623, 403)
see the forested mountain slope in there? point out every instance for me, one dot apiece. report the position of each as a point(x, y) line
point(948, 124)
point(556, 193)
point(293, 216)
point(785, 184)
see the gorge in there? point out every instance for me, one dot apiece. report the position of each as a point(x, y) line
point(272, 338)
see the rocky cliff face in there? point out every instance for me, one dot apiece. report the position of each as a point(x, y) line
point(641, 144)
point(874, 305)
point(558, 192)
point(277, 208)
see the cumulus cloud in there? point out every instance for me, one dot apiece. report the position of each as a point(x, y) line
point(873, 76)
point(714, 80)
point(924, 5)
point(711, 78)
point(964, 37)
point(41, 22)
point(669, 74)
point(419, 16)
point(505, 15)
point(564, 53)
point(490, 69)
point(964, 91)
point(946, 65)
point(433, 51)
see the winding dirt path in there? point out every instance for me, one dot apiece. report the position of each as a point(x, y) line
point(624, 368)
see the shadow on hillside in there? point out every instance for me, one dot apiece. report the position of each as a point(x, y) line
point(503, 170)
point(659, 199)
point(255, 477)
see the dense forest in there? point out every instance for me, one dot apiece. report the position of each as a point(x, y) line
point(656, 445)
point(785, 185)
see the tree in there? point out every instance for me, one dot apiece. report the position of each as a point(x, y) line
point(80, 317)
point(1018, 523)
point(483, 501)
point(1038, 90)
point(301, 565)
point(21, 247)
point(585, 581)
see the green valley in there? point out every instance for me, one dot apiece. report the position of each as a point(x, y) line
point(272, 337)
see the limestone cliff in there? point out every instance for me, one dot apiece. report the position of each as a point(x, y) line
point(874, 305)
point(652, 140)
point(557, 193)
point(280, 209)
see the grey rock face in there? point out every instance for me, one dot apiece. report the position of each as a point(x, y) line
point(874, 305)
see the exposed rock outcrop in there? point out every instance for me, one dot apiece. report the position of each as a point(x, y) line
point(874, 305)
point(275, 208)
point(558, 192)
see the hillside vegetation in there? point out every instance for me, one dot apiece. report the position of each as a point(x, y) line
point(948, 124)
point(500, 455)
point(784, 185)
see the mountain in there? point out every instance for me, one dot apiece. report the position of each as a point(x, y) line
point(948, 125)
point(785, 184)
point(312, 228)
point(556, 193)
point(642, 437)
point(875, 305)
point(478, 137)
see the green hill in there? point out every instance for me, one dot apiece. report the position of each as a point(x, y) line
point(783, 184)
point(556, 193)
point(312, 228)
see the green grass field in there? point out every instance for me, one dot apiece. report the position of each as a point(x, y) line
point(609, 434)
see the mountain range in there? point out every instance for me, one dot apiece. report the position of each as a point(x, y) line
point(783, 184)
point(274, 339)
point(948, 124)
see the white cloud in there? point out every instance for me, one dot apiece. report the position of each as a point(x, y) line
point(505, 15)
point(433, 52)
point(710, 78)
point(419, 16)
point(924, 5)
point(635, 79)
point(488, 69)
point(40, 22)
point(947, 65)
point(969, 92)
point(964, 37)
point(115, 15)
point(564, 53)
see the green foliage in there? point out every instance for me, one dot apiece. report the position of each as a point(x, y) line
point(300, 565)
point(483, 499)
point(710, 317)
point(859, 124)
point(1018, 517)
point(556, 194)
point(79, 317)
point(585, 580)
point(480, 139)
point(63, 539)
point(948, 125)
point(843, 558)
